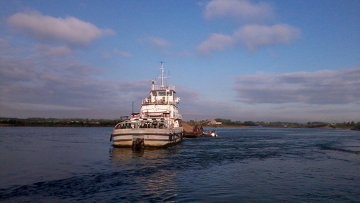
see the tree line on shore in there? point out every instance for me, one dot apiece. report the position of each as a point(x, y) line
point(56, 122)
point(220, 122)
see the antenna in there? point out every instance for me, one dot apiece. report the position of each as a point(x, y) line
point(132, 107)
point(162, 73)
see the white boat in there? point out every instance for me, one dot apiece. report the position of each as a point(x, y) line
point(210, 134)
point(213, 134)
point(157, 125)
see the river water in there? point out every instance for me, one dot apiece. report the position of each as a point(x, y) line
point(241, 165)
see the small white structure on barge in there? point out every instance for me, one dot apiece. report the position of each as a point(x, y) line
point(157, 125)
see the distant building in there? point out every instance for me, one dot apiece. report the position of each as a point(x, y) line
point(214, 122)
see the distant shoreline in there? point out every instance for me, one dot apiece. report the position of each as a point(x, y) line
point(208, 127)
point(54, 122)
point(236, 127)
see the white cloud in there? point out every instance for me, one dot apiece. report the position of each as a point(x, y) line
point(216, 42)
point(252, 37)
point(322, 87)
point(39, 84)
point(158, 42)
point(121, 53)
point(54, 50)
point(240, 9)
point(44, 107)
point(4, 44)
point(256, 36)
point(69, 30)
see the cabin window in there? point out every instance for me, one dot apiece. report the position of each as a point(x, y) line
point(162, 93)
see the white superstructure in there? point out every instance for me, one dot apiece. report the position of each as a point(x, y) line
point(158, 123)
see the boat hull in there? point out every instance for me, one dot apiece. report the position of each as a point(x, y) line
point(149, 137)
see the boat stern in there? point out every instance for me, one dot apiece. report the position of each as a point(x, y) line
point(146, 137)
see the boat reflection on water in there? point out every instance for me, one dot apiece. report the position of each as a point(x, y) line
point(124, 155)
point(150, 169)
point(128, 154)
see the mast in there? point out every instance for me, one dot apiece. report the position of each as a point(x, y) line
point(162, 73)
point(132, 107)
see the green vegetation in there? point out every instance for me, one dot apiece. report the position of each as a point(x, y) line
point(229, 123)
point(356, 126)
point(55, 122)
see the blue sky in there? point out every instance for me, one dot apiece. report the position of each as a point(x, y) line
point(237, 59)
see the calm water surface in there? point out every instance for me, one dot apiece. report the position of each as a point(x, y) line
point(246, 165)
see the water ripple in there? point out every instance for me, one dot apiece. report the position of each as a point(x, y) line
point(255, 165)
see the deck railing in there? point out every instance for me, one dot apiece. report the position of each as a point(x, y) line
point(159, 87)
point(158, 102)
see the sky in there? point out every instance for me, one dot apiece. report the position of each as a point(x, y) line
point(275, 60)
